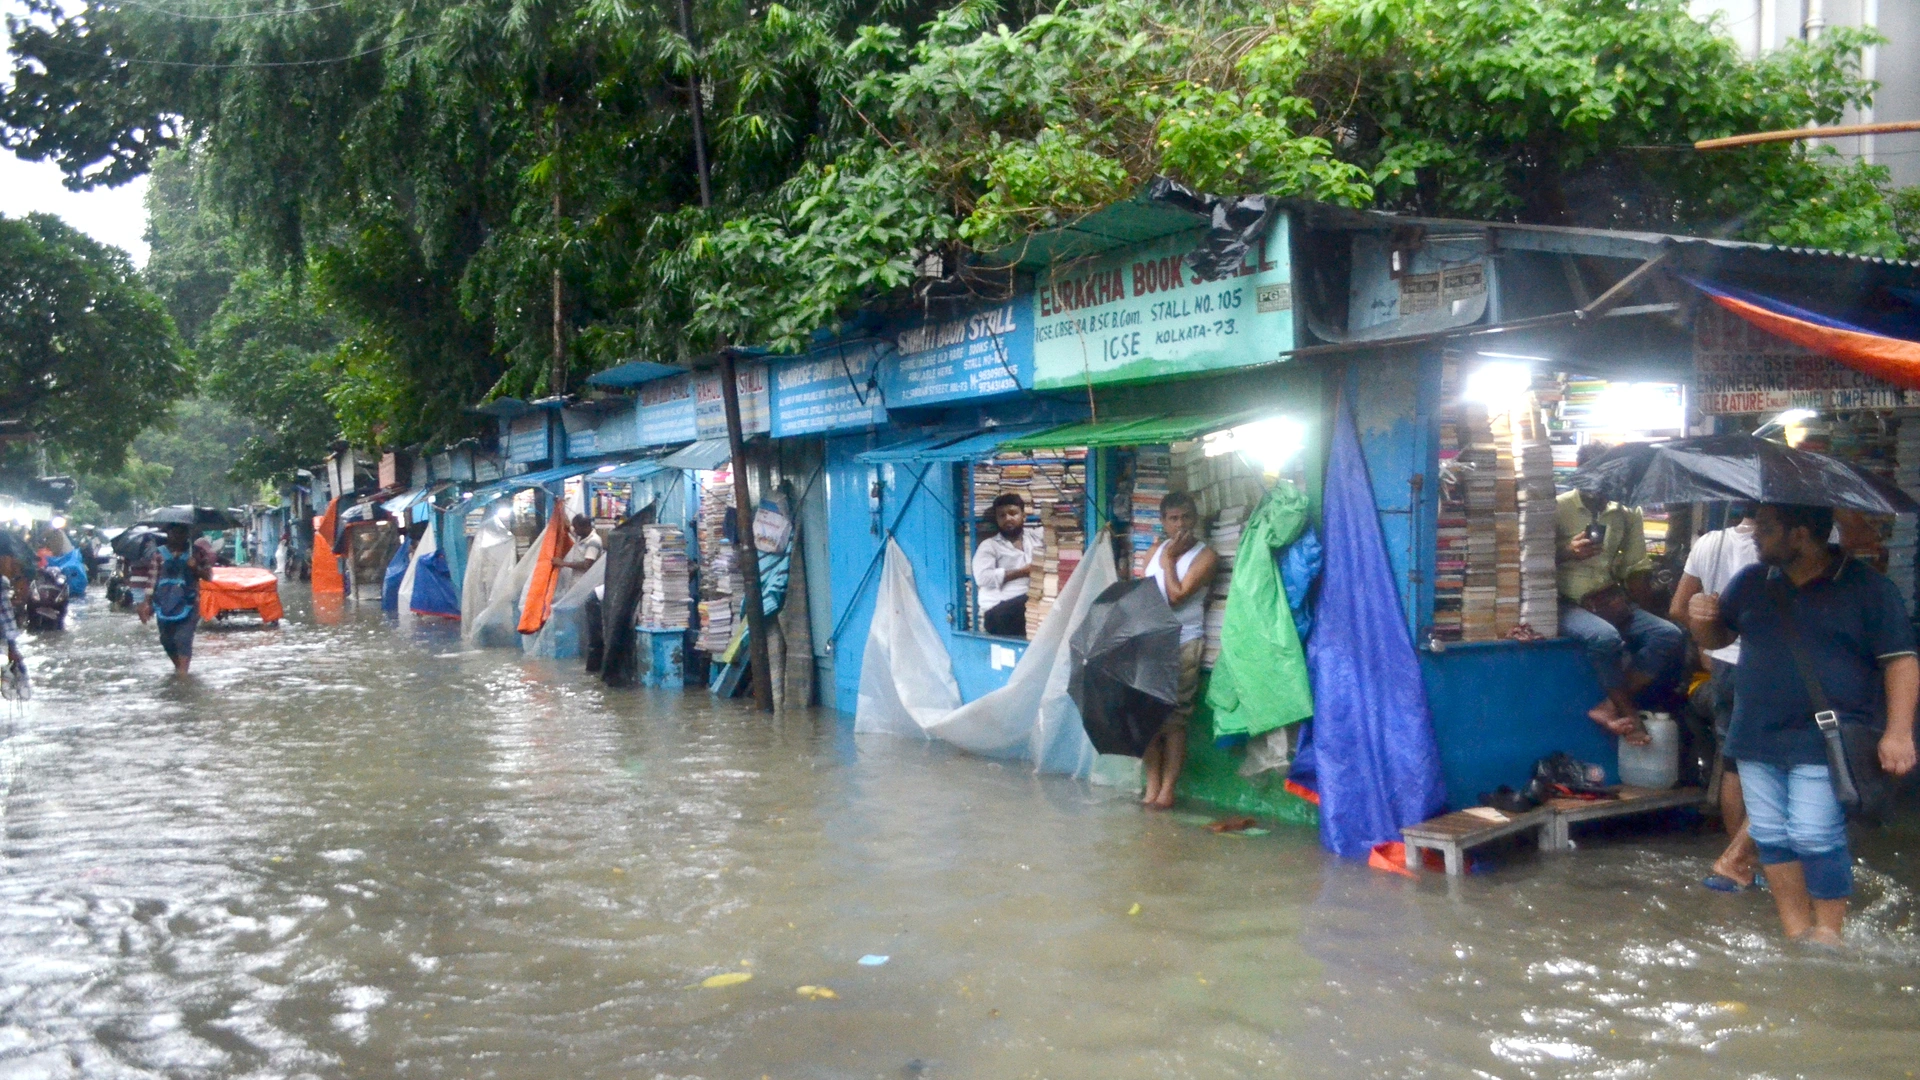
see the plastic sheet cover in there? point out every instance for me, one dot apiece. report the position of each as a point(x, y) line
point(489, 591)
point(1031, 718)
point(1373, 744)
point(565, 634)
point(429, 589)
point(625, 561)
point(543, 577)
point(906, 675)
point(1260, 681)
point(396, 575)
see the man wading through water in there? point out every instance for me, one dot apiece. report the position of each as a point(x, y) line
point(181, 565)
point(1852, 632)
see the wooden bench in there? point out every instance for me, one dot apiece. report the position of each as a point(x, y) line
point(1632, 800)
point(1452, 834)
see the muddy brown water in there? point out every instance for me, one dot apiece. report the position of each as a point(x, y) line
point(357, 850)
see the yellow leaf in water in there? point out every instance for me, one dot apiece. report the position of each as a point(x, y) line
point(731, 978)
point(1134, 910)
point(1735, 1007)
point(816, 993)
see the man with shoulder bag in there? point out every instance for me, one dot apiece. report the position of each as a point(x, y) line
point(1824, 698)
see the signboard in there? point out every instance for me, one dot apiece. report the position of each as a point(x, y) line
point(976, 355)
point(827, 390)
point(1740, 368)
point(527, 439)
point(619, 429)
point(1140, 313)
point(581, 426)
point(666, 411)
point(710, 407)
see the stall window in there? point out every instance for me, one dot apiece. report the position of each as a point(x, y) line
point(1511, 432)
point(1053, 486)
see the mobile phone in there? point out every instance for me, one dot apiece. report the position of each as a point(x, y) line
point(1596, 532)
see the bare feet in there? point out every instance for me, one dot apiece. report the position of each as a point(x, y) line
point(1164, 802)
point(1821, 937)
point(1737, 871)
point(1627, 725)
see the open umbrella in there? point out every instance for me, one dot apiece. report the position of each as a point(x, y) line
point(1726, 468)
point(131, 543)
point(198, 517)
point(1125, 670)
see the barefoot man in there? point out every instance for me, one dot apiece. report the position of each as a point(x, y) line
point(1603, 574)
point(1183, 567)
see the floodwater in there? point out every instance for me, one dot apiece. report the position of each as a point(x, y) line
point(362, 851)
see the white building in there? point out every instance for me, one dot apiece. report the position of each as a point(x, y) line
point(1759, 25)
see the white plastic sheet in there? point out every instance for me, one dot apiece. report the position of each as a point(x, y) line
point(498, 624)
point(565, 635)
point(906, 676)
point(424, 547)
point(1031, 718)
point(489, 556)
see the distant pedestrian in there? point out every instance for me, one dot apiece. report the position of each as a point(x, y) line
point(179, 566)
point(1809, 605)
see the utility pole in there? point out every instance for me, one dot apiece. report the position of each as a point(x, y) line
point(745, 550)
point(557, 381)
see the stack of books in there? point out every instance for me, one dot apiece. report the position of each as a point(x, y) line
point(1224, 538)
point(1151, 468)
point(721, 584)
point(1064, 545)
point(1539, 580)
point(1450, 533)
point(1479, 463)
point(664, 592)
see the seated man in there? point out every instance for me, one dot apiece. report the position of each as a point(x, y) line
point(1603, 577)
point(1001, 565)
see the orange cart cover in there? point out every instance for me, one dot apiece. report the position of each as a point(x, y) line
point(537, 602)
point(241, 588)
point(326, 576)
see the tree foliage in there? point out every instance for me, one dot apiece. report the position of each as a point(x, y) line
point(87, 354)
point(409, 181)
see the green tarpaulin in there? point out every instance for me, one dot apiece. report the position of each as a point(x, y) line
point(1260, 681)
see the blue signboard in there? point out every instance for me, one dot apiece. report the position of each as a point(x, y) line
point(710, 406)
point(527, 439)
point(666, 411)
point(827, 390)
point(619, 429)
point(981, 354)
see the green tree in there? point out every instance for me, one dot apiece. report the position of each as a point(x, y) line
point(87, 355)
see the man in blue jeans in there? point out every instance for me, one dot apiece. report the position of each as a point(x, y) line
point(1603, 572)
point(1852, 625)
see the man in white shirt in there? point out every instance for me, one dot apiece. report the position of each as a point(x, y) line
point(587, 549)
point(1714, 560)
point(1001, 565)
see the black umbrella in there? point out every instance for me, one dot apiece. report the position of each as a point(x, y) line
point(132, 543)
point(1126, 666)
point(1728, 468)
point(198, 517)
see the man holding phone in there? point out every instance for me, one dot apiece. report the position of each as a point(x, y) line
point(1603, 571)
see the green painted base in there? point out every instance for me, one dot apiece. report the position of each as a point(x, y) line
point(1211, 775)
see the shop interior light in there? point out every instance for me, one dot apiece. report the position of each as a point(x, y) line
point(1268, 443)
point(1498, 384)
point(1784, 421)
point(606, 468)
point(58, 522)
point(504, 511)
point(1640, 406)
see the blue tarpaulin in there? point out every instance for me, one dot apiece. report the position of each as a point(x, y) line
point(74, 566)
point(396, 571)
point(433, 591)
point(1378, 767)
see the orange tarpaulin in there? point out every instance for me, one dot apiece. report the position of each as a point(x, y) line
point(326, 576)
point(241, 588)
point(536, 604)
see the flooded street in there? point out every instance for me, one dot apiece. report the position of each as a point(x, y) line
point(361, 851)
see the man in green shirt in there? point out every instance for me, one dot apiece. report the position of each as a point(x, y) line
point(1603, 572)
